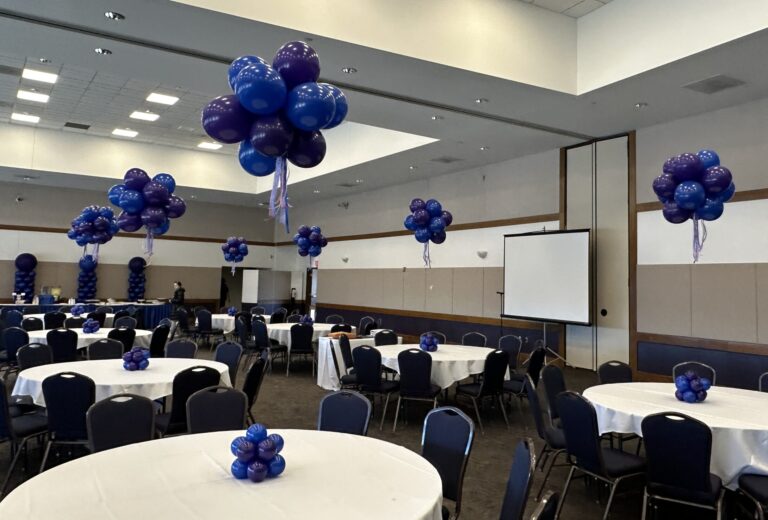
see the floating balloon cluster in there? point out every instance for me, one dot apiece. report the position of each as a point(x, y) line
point(428, 342)
point(310, 241)
point(147, 202)
point(90, 326)
point(136, 279)
point(24, 279)
point(694, 186)
point(257, 454)
point(136, 359)
point(691, 388)
point(77, 310)
point(235, 250)
point(94, 225)
point(86, 280)
point(232, 311)
point(428, 221)
point(276, 114)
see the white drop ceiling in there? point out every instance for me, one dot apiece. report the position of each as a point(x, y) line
point(572, 8)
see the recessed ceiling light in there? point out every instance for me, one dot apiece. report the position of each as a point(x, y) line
point(102, 51)
point(481, 100)
point(27, 95)
point(349, 70)
point(112, 15)
point(359, 181)
point(28, 178)
point(641, 105)
point(309, 39)
point(315, 191)
point(205, 145)
point(144, 116)
point(163, 99)
point(38, 75)
point(193, 197)
point(262, 203)
point(25, 118)
point(437, 117)
point(124, 132)
point(483, 148)
point(43, 60)
point(412, 167)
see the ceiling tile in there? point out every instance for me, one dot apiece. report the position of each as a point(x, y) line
point(583, 7)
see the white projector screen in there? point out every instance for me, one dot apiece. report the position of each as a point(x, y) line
point(547, 276)
point(250, 286)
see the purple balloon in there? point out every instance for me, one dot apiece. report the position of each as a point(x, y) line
point(438, 237)
point(304, 231)
point(314, 237)
point(727, 195)
point(307, 149)
point(257, 471)
point(225, 120)
point(323, 241)
point(176, 207)
point(135, 179)
point(267, 449)
point(716, 179)
point(674, 214)
point(669, 165)
point(272, 135)
point(153, 217)
point(447, 218)
point(664, 187)
point(417, 204)
point(687, 168)
point(303, 252)
point(422, 235)
point(128, 222)
point(297, 63)
point(421, 217)
point(155, 194)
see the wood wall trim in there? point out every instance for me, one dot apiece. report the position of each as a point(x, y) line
point(563, 198)
point(740, 347)
point(739, 196)
point(632, 244)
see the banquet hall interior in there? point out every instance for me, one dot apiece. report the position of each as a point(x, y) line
point(383, 259)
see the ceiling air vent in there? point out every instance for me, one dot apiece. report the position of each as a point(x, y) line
point(446, 160)
point(76, 126)
point(714, 84)
point(348, 185)
point(11, 71)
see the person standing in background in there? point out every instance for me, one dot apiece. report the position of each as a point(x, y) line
point(178, 297)
point(223, 293)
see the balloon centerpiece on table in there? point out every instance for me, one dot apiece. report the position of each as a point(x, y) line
point(77, 310)
point(91, 326)
point(691, 388)
point(95, 226)
point(276, 114)
point(306, 319)
point(428, 221)
point(310, 241)
point(257, 454)
point(428, 342)
point(136, 359)
point(86, 280)
point(24, 278)
point(137, 279)
point(147, 202)
point(694, 186)
point(232, 311)
point(235, 250)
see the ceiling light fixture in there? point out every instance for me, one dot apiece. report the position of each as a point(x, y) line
point(144, 116)
point(102, 51)
point(437, 117)
point(43, 60)
point(641, 105)
point(349, 70)
point(112, 15)
point(315, 191)
point(27, 95)
point(124, 132)
point(25, 118)
point(205, 145)
point(359, 181)
point(481, 100)
point(412, 167)
point(163, 99)
point(38, 75)
point(483, 148)
point(193, 197)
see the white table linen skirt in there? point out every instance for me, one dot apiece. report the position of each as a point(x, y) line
point(281, 332)
point(450, 364)
point(107, 321)
point(326, 372)
point(143, 337)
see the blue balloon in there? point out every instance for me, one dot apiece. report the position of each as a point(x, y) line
point(72, 234)
point(276, 466)
point(303, 251)
point(229, 257)
point(131, 201)
point(238, 258)
point(260, 89)
point(436, 224)
point(708, 158)
point(409, 223)
point(89, 214)
point(315, 250)
point(243, 248)
point(303, 242)
point(166, 180)
point(296, 238)
point(710, 210)
point(341, 106)
point(239, 64)
point(434, 208)
point(423, 235)
point(690, 195)
point(706, 383)
point(689, 397)
point(253, 162)
point(310, 106)
point(239, 469)
point(114, 193)
point(162, 229)
point(682, 383)
point(727, 194)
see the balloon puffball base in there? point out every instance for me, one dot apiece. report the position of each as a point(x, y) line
point(257, 454)
point(691, 388)
point(428, 342)
point(136, 359)
point(90, 326)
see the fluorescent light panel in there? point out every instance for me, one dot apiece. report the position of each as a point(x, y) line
point(28, 95)
point(209, 146)
point(25, 118)
point(38, 75)
point(145, 116)
point(163, 99)
point(124, 133)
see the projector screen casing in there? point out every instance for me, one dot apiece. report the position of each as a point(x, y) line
point(548, 277)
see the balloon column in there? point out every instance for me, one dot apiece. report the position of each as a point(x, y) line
point(86, 280)
point(428, 342)
point(94, 225)
point(91, 326)
point(24, 281)
point(147, 202)
point(310, 241)
point(694, 186)
point(257, 454)
point(136, 279)
point(691, 388)
point(235, 250)
point(276, 114)
point(428, 221)
point(136, 359)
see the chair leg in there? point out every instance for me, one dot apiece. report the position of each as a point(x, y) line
point(503, 411)
point(546, 475)
point(288, 365)
point(477, 412)
point(565, 492)
point(397, 412)
point(45, 455)
point(645, 503)
point(540, 460)
point(384, 413)
point(520, 409)
point(610, 499)
point(13, 465)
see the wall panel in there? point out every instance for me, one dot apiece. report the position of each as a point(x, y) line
point(493, 281)
point(414, 289)
point(468, 293)
point(671, 313)
point(439, 290)
point(724, 300)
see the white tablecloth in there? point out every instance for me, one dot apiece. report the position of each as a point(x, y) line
point(738, 420)
point(107, 322)
point(281, 332)
point(143, 337)
point(326, 372)
point(450, 364)
point(226, 322)
point(111, 378)
point(328, 476)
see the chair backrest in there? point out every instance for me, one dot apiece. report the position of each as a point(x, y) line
point(535, 406)
point(344, 411)
point(29, 324)
point(186, 383)
point(34, 355)
point(229, 353)
point(341, 327)
point(183, 318)
point(614, 372)
point(277, 317)
point(13, 318)
point(762, 382)
point(104, 309)
point(258, 317)
point(446, 442)
point(582, 437)
point(253, 379)
point(301, 337)
point(246, 317)
point(204, 320)
point(367, 362)
point(678, 449)
point(68, 396)
point(496, 363)
point(535, 362)
point(119, 314)
point(124, 335)
point(554, 384)
point(474, 339)
point(442, 338)
point(519, 481)
point(293, 318)
point(63, 343)
point(346, 351)
point(75, 322)
point(100, 317)
point(54, 319)
point(216, 409)
point(385, 337)
point(260, 333)
point(223, 310)
point(181, 348)
point(258, 309)
point(6, 429)
point(14, 338)
point(702, 369)
point(120, 420)
point(241, 329)
point(129, 322)
point(334, 318)
point(547, 508)
point(366, 324)
point(105, 349)
point(415, 372)
point(511, 344)
point(158, 341)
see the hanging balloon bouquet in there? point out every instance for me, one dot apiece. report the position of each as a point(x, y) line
point(235, 250)
point(428, 221)
point(94, 226)
point(276, 114)
point(310, 241)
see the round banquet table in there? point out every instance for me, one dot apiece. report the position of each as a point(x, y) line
point(188, 477)
point(111, 378)
point(450, 364)
point(736, 417)
point(226, 322)
point(107, 322)
point(281, 332)
point(143, 337)
point(326, 371)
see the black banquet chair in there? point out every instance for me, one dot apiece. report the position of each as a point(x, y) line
point(553, 437)
point(491, 385)
point(341, 327)
point(512, 345)
point(34, 355)
point(13, 338)
point(702, 369)
point(474, 339)
point(554, 384)
point(181, 348)
point(519, 481)
point(347, 377)
point(129, 322)
point(415, 380)
point(334, 318)
point(105, 349)
point(99, 317)
point(216, 409)
point(762, 382)
point(277, 317)
point(30, 324)
point(614, 372)
point(254, 377)
point(366, 324)
point(257, 309)
point(368, 371)
point(755, 488)
point(186, 383)
point(159, 338)
point(344, 411)
point(301, 345)
point(120, 420)
point(229, 353)
point(205, 328)
point(442, 338)
point(547, 508)
point(13, 318)
point(446, 442)
point(293, 318)
point(385, 337)
point(74, 322)
point(124, 335)
point(63, 343)
point(54, 319)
